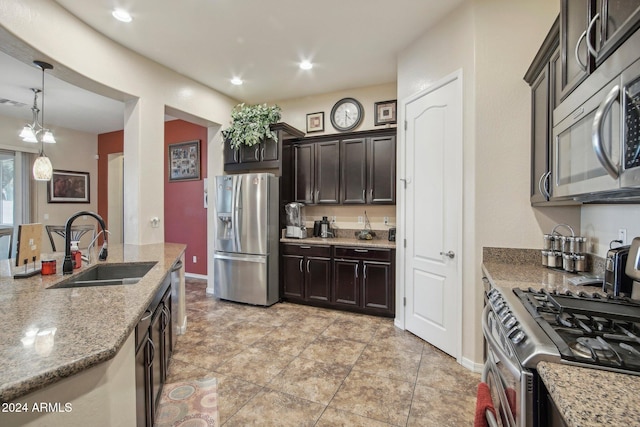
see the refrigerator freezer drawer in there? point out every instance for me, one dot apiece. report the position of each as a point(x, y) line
point(243, 278)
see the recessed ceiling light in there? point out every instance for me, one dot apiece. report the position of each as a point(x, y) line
point(236, 81)
point(306, 65)
point(121, 15)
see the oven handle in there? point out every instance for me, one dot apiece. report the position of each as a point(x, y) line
point(491, 419)
point(495, 347)
point(597, 131)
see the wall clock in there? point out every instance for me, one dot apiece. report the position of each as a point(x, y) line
point(346, 114)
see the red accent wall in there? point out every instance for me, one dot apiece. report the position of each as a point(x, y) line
point(185, 218)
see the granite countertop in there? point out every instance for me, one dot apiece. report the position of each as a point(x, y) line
point(342, 241)
point(590, 397)
point(78, 327)
point(584, 396)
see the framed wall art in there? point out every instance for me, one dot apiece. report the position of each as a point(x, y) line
point(184, 161)
point(385, 113)
point(315, 122)
point(68, 187)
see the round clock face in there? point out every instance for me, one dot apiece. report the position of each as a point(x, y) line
point(346, 114)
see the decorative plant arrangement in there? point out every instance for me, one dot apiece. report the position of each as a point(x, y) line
point(250, 124)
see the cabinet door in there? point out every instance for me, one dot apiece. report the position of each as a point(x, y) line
point(304, 173)
point(381, 163)
point(318, 279)
point(143, 383)
point(620, 18)
point(575, 16)
point(327, 172)
point(346, 284)
point(539, 136)
point(353, 170)
point(156, 364)
point(249, 154)
point(293, 276)
point(269, 150)
point(231, 155)
point(166, 347)
point(377, 285)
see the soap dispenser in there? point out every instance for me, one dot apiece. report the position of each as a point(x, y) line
point(76, 255)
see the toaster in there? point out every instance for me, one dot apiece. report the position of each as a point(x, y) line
point(616, 282)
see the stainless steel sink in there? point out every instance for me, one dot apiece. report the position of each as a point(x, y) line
point(107, 275)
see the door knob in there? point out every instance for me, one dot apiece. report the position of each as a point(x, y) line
point(450, 254)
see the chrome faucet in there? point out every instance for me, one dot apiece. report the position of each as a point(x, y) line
point(67, 266)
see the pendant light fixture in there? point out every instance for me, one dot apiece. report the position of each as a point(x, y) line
point(36, 132)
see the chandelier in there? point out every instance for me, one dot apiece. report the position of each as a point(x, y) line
point(36, 132)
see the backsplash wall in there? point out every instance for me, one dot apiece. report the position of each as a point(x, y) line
point(347, 216)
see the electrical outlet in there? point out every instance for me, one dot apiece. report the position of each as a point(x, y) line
point(333, 218)
point(195, 259)
point(622, 235)
point(360, 220)
point(386, 220)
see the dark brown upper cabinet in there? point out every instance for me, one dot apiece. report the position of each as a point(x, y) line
point(368, 170)
point(577, 62)
point(543, 75)
point(360, 167)
point(266, 155)
point(618, 20)
point(317, 172)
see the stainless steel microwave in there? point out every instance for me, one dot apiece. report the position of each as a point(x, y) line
point(596, 131)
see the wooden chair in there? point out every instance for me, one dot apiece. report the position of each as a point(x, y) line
point(77, 231)
point(6, 234)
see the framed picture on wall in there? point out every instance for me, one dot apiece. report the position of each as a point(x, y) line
point(68, 187)
point(315, 122)
point(385, 113)
point(184, 161)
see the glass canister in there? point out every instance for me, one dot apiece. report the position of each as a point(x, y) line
point(555, 259)
point(545, 258)
point(568, 262)
point(577, 244)
point(580, 263)
point(547, 242)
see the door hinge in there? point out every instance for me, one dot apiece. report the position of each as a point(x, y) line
point(404, 301)
point(404, 242)
point(405, 125)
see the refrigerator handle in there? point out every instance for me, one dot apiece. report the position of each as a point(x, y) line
point(237, 188)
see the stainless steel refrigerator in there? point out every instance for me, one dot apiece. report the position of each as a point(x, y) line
point(247, 240)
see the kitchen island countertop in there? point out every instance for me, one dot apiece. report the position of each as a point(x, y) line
point(585, 397)
point(50, 334)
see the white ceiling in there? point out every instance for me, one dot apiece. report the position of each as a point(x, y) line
point(352, 43)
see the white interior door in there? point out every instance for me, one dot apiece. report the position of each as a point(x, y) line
point(115, 198)
point(433, 197)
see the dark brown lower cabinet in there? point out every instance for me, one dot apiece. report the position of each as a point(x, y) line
point(348, 278)
point(364, 279)
point(306, 272)
point(153, 351)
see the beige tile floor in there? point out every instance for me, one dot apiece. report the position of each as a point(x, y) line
point(294, 365)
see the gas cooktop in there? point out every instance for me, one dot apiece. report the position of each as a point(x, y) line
point(589, 329)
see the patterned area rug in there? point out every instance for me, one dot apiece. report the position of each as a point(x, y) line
point(189, 404)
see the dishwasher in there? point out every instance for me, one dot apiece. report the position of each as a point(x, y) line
point(179, 315)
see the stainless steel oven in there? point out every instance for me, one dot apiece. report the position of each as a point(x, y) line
point(511, 385)
point(523, 327)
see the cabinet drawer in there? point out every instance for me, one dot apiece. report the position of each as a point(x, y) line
point(363, 253)
point(307, 250)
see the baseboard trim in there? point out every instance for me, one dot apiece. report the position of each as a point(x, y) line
point(196, 276)
point(471, 365)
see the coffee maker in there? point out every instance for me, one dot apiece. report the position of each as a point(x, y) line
point(295, 225)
